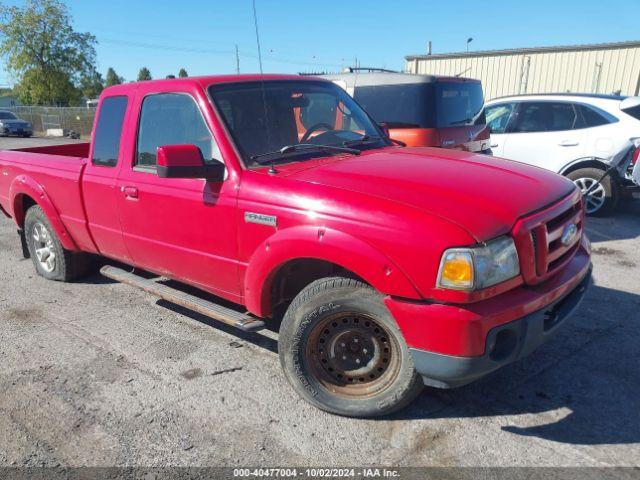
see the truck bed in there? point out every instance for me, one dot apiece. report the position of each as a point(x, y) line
point(57, 170)
point(64, 150)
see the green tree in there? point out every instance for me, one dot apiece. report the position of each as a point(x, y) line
point(40, 45)
point(112, 78)
point(183, 73)
point(144, 74)
point(92, 85)
point(47, 87)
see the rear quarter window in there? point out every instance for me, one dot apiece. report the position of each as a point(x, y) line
point(595, 117)
point(633, 111)
point(106, 141)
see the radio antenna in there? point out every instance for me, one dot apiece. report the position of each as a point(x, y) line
point(264, 92)
point(255, 23)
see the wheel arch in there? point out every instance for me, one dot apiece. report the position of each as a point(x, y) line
point(327, 250)
point(25, 193)
point(587, 162)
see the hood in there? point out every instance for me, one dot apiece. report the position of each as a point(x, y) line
point(482, 194)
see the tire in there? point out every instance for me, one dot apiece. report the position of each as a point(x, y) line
point(604, 199)
point(50, 259)
point(332, 327)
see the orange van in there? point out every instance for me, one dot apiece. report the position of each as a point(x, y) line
point(422, 110)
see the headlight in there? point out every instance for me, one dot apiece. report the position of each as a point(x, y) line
point(479, 267)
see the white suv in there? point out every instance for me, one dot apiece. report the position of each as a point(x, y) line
point(576, 135)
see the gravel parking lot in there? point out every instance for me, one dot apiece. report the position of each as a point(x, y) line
point(97, 373)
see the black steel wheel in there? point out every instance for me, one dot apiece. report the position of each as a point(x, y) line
point(342, 351)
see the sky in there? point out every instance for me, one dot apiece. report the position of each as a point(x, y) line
point(302, 36)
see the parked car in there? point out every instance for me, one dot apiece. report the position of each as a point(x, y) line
point(390, 267)
point(422, 110)
point(576, 135)
point(12, 125)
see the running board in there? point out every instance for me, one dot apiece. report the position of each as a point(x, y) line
point(218, 312)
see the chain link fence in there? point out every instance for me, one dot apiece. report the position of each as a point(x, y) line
point(76, 119)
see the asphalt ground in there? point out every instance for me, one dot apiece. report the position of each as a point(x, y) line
point(96, 373)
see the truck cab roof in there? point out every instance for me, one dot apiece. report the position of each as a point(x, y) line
point(203, 81)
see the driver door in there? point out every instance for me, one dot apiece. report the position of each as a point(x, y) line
point(185, 229)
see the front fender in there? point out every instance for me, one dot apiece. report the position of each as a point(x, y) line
point(23, 186)
point(324, 244)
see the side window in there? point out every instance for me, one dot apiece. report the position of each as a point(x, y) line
point(106, 141)
point(594, 117)
point(172, 119)
point(546, 117)
point(498, 116)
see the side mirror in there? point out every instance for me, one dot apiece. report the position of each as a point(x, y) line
point(185, 161)
point(385, 129)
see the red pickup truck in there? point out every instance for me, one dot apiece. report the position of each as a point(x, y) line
point(388, 267)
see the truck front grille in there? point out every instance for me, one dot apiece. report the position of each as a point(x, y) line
point(544, 240)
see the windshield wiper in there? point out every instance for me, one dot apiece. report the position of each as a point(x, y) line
point(302, 147)
point(363, 139)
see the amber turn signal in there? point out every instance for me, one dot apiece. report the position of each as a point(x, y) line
point(456, 270)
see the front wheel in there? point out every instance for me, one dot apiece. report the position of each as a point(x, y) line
point(603, 197)
point(342, 351)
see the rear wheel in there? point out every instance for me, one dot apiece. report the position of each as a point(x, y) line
point(342, 351)
point(49, 257)
point(604, 196)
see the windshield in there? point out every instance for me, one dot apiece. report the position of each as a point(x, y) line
point(424, 105)
point(7, 116)
point(265, 117)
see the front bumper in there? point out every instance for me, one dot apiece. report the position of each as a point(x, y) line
point(454, 344)
point(505, 344)
point(11, 130)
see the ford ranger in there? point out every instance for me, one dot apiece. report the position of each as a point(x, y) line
point(386, 268)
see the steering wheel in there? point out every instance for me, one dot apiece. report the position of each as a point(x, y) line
point(313, 128)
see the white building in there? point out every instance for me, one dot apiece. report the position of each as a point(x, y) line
point(600, 68)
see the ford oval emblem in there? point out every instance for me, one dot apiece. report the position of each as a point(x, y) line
point(568, 234)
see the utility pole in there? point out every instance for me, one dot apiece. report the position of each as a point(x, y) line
point(237, 60)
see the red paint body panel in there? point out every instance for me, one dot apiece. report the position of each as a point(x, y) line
point(53, 181)
point(386, 215)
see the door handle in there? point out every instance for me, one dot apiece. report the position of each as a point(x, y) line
point(568, 143)
point(493, 145)
point(130, 192)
